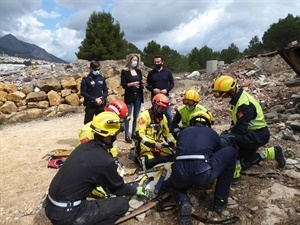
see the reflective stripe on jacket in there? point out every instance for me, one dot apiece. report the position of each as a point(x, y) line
point(245, 99)
point(151, 132)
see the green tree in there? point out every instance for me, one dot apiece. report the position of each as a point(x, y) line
point(280, 34)
point(230, 54)
point(193, 60)
point(173, 60)
point(104, 40)
point(152, 49)
point(255, 47)
point(205, 54)
point(131, 48)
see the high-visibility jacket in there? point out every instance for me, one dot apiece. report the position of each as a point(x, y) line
point(86, 134)
point(246, 99)
point(185, 114)
point(150, 130)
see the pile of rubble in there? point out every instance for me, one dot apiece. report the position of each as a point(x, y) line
point(265, 78)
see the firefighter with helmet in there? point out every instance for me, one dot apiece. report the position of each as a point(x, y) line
point(90, 165)
point(248, 130)
point(151, 129)
point(200, 159)
point(190, 105)
point(117, 106)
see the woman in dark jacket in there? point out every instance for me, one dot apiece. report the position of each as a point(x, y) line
point(132, 82)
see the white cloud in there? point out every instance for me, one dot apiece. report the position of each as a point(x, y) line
point(46, 15)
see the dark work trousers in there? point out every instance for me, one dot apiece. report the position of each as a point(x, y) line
point(188, 173)
point(91, 111)
point(94, 212)
point(248, 144)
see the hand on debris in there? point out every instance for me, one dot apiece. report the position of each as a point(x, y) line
point(141, 191)
point(225, 132)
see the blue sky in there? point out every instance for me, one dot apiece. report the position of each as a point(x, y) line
point(59, 26)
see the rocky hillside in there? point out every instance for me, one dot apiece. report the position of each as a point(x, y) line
point(12, 46)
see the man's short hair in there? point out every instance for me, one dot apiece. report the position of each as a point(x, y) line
point(94, 64)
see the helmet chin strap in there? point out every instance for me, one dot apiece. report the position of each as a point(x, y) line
point(232, 94)
point(155, 112)
point(106, 141)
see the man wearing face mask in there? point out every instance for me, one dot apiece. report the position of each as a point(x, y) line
point(248, 131)
point(160, 80)
point(190, 105)
point(88, 166)
point(151, 127)
point(94, 90)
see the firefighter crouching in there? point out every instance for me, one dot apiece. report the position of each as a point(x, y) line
point(152, 126)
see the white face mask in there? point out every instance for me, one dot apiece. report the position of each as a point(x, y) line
point(134, 64)
point(226, 100)
point(96, 72)
point(190, 107)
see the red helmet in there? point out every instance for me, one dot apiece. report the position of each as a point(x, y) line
point(161, 100)
point(119, 107)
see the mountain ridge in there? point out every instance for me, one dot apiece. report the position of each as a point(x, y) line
point(12, 46)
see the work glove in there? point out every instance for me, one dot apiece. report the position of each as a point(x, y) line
point(141, 191)
point(225, 132)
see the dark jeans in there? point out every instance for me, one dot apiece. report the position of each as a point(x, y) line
point(188, 173)
point(248, 144)
point(136, 107)
point(94, 212)
point(91, 111)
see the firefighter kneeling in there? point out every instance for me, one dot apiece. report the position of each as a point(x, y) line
point(151, 126)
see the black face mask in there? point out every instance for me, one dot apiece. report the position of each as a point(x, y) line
point(109, 144)
point(158, 66)
point(158, 112)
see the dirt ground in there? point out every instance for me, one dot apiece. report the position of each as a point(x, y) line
point(272, 198)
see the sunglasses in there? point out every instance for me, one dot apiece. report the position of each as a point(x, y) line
point(219, 94)
point(188, 102)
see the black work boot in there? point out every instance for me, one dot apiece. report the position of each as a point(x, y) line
point(185, 213)
point(220, 205)
point(279, 156)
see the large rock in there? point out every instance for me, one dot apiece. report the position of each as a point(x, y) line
point(8, 107)
point(72, 99)
point(16, 96)
point(3, 96)
point(49, 84)
point(68, 84)
point(54, 98)
point(36, 96)
point(10, 88)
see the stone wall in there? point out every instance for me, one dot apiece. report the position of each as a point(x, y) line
point(53, 93)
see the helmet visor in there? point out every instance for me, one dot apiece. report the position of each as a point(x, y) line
point(218, 94)
point(188, 102)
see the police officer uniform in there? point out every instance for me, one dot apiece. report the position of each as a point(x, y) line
point(93, 87)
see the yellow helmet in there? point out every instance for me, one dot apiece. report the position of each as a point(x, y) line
point(222, 85)
point(202, 117)
point(106, 124)
point(191, 97)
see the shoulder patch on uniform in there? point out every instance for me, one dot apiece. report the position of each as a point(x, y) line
point(240, 114)
point(141, 121)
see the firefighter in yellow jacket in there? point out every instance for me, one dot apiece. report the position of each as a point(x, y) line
point(249, 130)
point(190, 105)
point(152, 130)
point(86, 133)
